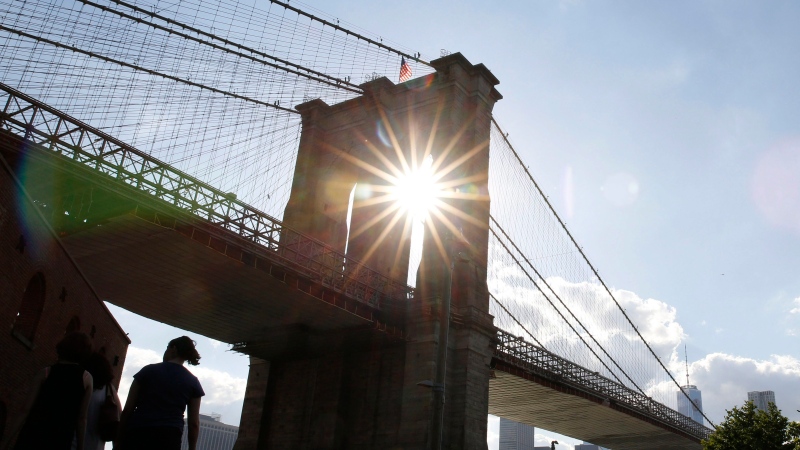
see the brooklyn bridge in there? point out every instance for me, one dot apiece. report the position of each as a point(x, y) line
point(374, 244)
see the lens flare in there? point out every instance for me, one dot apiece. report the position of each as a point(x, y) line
point(416, 191)
point(411, 184)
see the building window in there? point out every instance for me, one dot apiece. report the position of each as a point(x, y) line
point(30, 311)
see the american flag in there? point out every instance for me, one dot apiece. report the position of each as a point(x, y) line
point(405, 70)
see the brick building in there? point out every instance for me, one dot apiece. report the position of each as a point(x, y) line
point(43, 294)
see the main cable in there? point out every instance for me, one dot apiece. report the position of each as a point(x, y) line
point(143, 69)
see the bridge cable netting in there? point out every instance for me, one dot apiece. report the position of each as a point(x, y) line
point(208, 87)
point(544, 286)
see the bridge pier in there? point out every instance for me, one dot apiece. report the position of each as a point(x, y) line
point(342, 389)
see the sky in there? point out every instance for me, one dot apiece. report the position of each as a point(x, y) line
point(667, 135)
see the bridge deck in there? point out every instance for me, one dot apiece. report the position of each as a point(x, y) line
point(573, 413)
point(160, 273)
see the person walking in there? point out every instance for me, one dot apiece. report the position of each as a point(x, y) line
point(57, 404)
point(102, 375)
point(160, 393)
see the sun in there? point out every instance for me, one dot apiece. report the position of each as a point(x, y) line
point(415, 188)
point(416, 191)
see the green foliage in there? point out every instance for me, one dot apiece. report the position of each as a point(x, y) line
point(748, 428)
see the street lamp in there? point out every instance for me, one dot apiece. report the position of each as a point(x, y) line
point(553, 445)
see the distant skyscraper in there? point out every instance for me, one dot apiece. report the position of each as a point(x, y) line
point(761, 399)
point(588, 446)
point(214, 435)
point(686, 407)
point(515, 436)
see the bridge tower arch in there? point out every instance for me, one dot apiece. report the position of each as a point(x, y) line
point(361, 390)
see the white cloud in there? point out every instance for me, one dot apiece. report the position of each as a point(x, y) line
point(725, 380)
point(221, 387)
point(796, 309)
point(590, 303)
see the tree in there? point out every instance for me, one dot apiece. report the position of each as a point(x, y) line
point(748, 428)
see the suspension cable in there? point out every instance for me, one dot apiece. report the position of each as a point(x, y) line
point(311, 73)
point(594, 271)
point(516, 321)
point(605, 352)
point(571, 327)
point(143, 69)
point(346, 31)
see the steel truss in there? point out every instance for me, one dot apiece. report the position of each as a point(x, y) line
point(79, 143)
point(520, 353)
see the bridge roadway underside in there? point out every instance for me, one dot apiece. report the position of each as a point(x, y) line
point(157, 261)
point(161, 274)
point(545, 404)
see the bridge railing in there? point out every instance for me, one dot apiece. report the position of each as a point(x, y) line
point(516, 351)
point(78, 142)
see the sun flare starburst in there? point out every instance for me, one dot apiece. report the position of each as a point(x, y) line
point(416, 192)
point(412, 185)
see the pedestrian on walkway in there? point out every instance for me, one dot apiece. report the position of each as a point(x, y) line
point(153, 415)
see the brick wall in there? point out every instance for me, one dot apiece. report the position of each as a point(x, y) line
point(345, 399)
point(28, 247)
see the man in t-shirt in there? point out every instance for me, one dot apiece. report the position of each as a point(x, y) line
point(160, 393)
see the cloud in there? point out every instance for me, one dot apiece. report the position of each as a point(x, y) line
point(796, 309)
point(725, 380)
point(221, 387)
point(590, 311)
